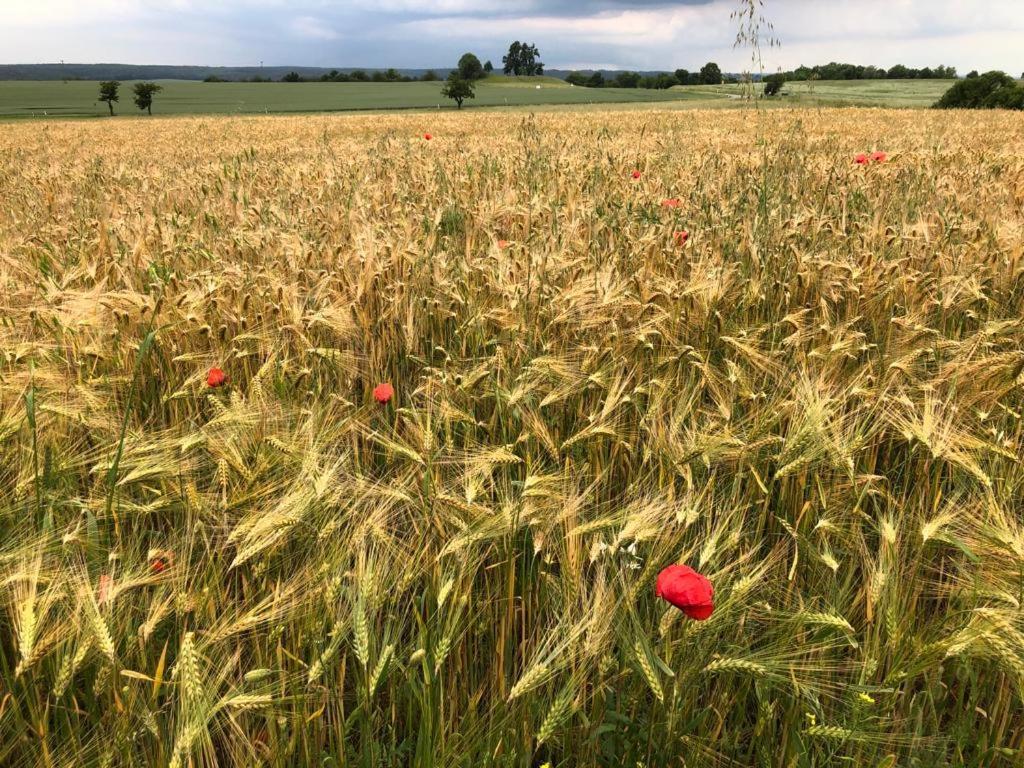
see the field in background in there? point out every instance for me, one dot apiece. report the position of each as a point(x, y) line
point(78, 98)
point(854, 93)
point(816, 400)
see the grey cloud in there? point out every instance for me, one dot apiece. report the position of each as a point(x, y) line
point(640, 34)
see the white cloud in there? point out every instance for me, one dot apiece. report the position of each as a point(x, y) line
point(34, 14)
point(312, 28)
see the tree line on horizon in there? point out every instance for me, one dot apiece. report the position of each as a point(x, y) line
point(711, 74)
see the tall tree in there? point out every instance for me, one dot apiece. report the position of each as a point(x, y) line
point(470, 67)
point(512, 59)
point(710, 74)
point(522, 59)
point(488, 67)
point(458, 89)
point(109, 93)
point(144, 95)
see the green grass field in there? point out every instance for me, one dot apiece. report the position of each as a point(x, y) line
point(185, 97)
point(78, 98)
point(835, 93)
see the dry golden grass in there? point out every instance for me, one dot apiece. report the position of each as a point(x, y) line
point(816, 402)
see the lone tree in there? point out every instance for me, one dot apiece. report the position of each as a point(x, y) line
point(521, 59)
point(470, 67)
point(144, 95)
point(488, 67)
point(458, 89)
point(710, 74)
point(109, 93)
point(773, 84)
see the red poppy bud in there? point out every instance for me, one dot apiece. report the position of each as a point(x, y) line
point(427, 136)
point(160, 560)
point(383, 393)
point(861, 159)
point(216, 378)
point(671, 202)
point(635, 174)
point(687, 590)
point(681, 237)
point(503, 244)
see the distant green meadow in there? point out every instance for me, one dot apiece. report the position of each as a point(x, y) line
point(836, 93)
point(180, 97)
point(78, 99)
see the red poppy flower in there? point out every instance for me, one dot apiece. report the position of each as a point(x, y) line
point(879, 157)
point(383, 393)
point(635, 174)
point(671, 202)
point(681, 237)
point(503, 244)
point(427, 136)
point(687, 590)
point(216, 378)
point(160, 560)
point(861, 159)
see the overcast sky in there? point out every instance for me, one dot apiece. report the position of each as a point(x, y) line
point(612, 34)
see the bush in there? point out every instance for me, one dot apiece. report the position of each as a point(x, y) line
point(773, 84)
point(992, 90)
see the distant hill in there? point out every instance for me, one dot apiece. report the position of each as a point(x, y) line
point(170, 72)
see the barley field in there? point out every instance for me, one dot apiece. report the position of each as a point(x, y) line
point(617, 341)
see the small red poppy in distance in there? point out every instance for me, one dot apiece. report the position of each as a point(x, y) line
point(635, 174)
point(681, 237)
point(503, 244)
point(159, 560)
point(216, 378)
point(879, 157)
point(861, 159)
point(687, 590)
point(670, 202)
point(427, 136)
point(383, 393)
